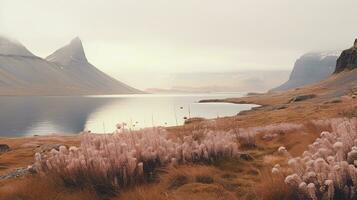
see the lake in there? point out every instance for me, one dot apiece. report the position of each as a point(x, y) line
point(44, 115)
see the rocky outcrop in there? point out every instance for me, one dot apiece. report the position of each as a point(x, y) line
point(4, 148)
point(246, 156)
point(48, 147)
point(310, 68)
point(302, 98)
point(18, 172)
point(348, 59)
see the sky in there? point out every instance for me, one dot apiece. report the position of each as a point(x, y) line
point(145, 37)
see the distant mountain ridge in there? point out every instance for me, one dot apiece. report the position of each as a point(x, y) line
point(218, 82)
point(65, 72)
point(310, 68)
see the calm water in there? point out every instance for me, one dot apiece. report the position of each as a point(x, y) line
point(21, 116)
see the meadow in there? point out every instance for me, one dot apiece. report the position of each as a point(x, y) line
point(154, 163)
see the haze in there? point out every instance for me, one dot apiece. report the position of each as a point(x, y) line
point(130, 39)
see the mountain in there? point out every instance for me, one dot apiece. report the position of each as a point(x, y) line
point(65, 72)
point(344, 79)
point(348, 59)
point(73, 62)
point(73, 53)
point(13, 48)
point(213, 82)
point(310, 68)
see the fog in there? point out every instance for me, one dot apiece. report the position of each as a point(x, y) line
point(149, 38)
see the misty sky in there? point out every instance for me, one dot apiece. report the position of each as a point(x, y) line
point(151, 36)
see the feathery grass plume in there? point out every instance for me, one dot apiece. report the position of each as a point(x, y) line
point(311, 190)
point(247, 136)
point(276, 169)
point(109, 162)
point(330, 189)
point(328, 167)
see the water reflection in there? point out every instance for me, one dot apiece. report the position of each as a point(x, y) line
point(45, 115)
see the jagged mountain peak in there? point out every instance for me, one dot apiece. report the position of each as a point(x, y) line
point(71, 53)
point(76, 43)
point(9, 47)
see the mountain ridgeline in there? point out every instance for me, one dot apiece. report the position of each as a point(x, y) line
point(310, 68)
point(314, 67)
point(65, 72)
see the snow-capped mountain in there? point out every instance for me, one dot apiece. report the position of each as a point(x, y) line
point(311, 68)
point(65, 72)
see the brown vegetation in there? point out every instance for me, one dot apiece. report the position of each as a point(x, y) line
point(273, 187)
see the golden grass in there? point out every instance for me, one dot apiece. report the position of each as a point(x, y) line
point(225, 179)
point(202, 181)
point(272, 187)
point(228, 178)
point(22, 150)
point(42, 188)
point(147, 192)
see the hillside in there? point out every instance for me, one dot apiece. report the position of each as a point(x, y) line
point(310, 68)
point(65, 72)
point(327, 98)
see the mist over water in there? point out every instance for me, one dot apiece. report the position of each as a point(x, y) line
point(42, 115)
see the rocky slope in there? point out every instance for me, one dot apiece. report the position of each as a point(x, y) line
point(348, 59)
point(65, 72)
point(310, 68)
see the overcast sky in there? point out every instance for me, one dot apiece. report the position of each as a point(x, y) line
point(132, 36)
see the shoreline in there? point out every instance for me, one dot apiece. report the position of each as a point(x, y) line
point(17, 129)
point(275, 108)
point(257, 99)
